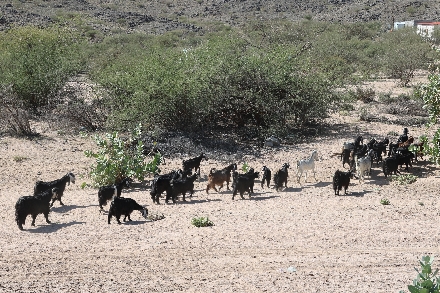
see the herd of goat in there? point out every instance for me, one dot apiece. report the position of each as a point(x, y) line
point(359, 156)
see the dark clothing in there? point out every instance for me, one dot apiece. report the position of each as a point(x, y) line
point(402, 138)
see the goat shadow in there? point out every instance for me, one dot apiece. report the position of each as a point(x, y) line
point(354, 193)
point(258, 198)
point(53, 227)
point(291, 189)
point(68, 208)
point(195, 201)
point(132, 222)
point(317, 184)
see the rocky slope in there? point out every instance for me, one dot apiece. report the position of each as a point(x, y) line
point(159, 16)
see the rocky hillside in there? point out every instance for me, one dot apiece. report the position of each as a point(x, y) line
point(159, 16)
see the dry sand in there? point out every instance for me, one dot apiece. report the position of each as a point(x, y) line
point(301, 239)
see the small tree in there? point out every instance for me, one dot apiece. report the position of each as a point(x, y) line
point(430, 94)
point(117, 159)
point(404, 53)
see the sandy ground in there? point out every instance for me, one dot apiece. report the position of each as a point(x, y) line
point(300, 239)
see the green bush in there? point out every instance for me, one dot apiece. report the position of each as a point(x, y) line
point(385, 201)
point(201, 222)
point(403, 179)
point(427, 280)
point(118, 158)
point(430, 94)
point(245, 167)
point(37, 62)
point(223, 81)
point(364, 95)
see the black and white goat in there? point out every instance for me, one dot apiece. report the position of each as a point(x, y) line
point(41, 186)
point(124, 206)
point(106, 193)
point(267, 174)
point(194, 163)
point(280, 177)
point(34, 205)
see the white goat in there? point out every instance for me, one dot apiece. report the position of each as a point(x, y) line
point(306, 165)
point(363, 165)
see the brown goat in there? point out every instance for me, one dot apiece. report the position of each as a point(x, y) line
point(219, 177)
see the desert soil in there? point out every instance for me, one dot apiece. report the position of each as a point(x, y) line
point(301, 239)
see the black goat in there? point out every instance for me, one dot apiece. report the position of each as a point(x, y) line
point(124, 206)
point(106, 193)
point(34, 205)
point(194, 163)
point(349, 149)
point(280, 177)
point(162, 182)
point(267, 174)
point(41, 186)
point(405, 158)
point(358, 142)
point(390, 165)
point(181, 186)
point(342, 179)
point(243, 183)
point(379, 148)
point(346, 157)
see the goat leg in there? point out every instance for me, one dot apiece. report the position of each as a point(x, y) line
point(241, 195)
point(46, 215)
point(33, 220)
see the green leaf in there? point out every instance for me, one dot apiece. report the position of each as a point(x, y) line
point(413, 289)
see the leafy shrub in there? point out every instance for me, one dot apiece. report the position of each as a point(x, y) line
point(392, 133)
point(201, 222)
point(385, 201)
point(403, 179)
point(117, 159)
point(365, 115)
point(19, 159)
point(427, 280)
point(245, 167)
point(14, 117)
point(405, 53)
point(241, 85)
point(37, 62)
point(365, 95)
point(431, 147)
